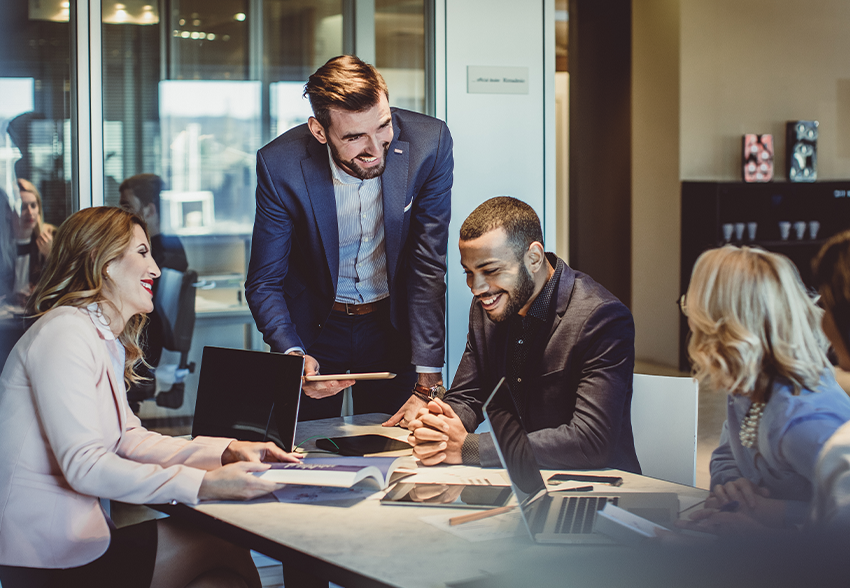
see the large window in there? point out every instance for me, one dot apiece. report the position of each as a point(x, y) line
point(193, 88)
point(35, 144)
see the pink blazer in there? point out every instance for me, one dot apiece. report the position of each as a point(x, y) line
point(68, 436)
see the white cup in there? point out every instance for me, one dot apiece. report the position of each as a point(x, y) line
point(800, 230)
point(751, 230)
point(739, 231)
point(784, 230)
point(814, 227)
point(727, 231)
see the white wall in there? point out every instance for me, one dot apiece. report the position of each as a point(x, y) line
point(655, 179)
point(500, 140)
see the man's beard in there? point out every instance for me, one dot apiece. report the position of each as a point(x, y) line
point(518, 296)
point(354, 169)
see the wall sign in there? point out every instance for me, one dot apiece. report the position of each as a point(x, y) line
point(483, 79)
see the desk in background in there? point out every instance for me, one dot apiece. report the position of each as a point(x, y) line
point(370, 544)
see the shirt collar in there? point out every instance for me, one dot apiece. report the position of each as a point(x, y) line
point(99, 320)
point(540, 307)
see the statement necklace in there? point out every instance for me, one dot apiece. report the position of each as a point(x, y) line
point(750, 424)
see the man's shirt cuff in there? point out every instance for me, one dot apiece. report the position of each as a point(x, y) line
point(424, 369)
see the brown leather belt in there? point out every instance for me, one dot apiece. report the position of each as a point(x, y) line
point(359, 309)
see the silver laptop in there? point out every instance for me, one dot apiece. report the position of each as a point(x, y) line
point(559, 517)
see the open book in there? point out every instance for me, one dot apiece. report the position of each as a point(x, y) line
point(342, 472)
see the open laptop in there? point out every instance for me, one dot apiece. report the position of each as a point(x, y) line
point(248, 395)
point(559, 517)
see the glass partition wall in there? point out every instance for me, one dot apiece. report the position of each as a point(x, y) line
point(193, 88)
point(36, 147)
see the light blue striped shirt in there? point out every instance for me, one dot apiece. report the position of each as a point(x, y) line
point(362, 254)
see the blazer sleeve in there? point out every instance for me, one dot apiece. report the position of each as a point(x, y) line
point(270, 248)
point(69, 385)
point(428, 242)
point(606, 355)
point(723, 466)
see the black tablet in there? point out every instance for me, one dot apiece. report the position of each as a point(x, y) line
point(456, 495)
point(361, 444)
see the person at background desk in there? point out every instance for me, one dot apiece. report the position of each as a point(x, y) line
point(35, 238)
point(348, 258)
point(140, 194)
point(68, 437)
point(564, 343)
point(831, 269)
point(756, 336)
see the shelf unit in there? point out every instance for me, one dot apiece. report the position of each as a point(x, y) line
point(707, 206)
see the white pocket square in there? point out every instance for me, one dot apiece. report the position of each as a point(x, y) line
point(406, 208)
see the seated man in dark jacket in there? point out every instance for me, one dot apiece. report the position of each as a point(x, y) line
point(140, 194)
point(564, 343)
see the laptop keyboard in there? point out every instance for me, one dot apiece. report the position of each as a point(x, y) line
point(577, 513)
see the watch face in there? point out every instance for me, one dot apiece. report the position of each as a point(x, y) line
point(438, 391)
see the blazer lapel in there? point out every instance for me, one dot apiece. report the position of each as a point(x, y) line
point(320, 189)
point(394, 189)
point(117, 392)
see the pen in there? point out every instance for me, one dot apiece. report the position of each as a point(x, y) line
point(728, 507)
point(468, 518)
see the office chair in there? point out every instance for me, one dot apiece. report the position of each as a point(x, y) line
point(175, 299)
point(173, 324)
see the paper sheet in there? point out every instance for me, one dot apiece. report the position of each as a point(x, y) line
point(496, 527)
point(460, 475)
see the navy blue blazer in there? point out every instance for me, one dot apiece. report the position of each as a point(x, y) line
point(578, 406)
point(292, 276)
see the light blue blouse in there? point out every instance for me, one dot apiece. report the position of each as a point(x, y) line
point(791, 433)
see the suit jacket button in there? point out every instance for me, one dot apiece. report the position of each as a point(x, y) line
point(320, 326)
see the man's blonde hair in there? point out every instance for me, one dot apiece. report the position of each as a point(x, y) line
point(751, 321)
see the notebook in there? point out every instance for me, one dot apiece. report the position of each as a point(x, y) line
point(248, 395)
point(556, 517)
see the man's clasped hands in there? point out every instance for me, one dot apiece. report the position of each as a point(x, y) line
point(437, 434)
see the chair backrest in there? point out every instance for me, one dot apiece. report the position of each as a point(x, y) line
point(175, 303)
point(664, 422)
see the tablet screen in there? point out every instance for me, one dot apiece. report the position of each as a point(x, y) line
point(459, 495)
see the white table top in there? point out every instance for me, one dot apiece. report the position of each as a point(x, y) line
point(372, 544)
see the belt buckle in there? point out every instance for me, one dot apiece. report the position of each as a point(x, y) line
point(349, 312)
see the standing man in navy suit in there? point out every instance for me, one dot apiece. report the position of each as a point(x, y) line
point(348, 261)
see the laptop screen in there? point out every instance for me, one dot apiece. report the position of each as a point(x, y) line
point(512, 443)
point(248, 395)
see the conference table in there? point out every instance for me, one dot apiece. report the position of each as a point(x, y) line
point(364, 543)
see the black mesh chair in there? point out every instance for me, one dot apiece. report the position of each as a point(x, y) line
point(170, 328)
point(175, 299)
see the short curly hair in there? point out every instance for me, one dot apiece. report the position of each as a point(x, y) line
point(752, 320)
point(517, 218)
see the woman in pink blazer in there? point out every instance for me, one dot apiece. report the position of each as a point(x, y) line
point(68, 436)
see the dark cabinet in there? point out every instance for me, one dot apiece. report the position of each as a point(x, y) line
point(775, 208)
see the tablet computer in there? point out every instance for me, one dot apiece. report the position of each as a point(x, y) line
point(361, 444)
point(451, 495)
point(365, 376)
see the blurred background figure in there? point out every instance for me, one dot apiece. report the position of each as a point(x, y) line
point(35, 238)
point(140, 194)
point(831, 269)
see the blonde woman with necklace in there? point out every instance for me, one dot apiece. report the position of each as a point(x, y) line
point(755, 335)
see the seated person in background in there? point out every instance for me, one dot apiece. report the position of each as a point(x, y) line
point(34, 241)
point(68, 437)
point(140, 194)
point(565, 344)
point(755, 335)
point(831, 268)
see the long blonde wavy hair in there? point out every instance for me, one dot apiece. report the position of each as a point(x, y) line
point(84, 245)
point(752, 320)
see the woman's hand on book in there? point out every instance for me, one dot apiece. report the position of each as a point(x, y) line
point(256, 452)
point(236, 481)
